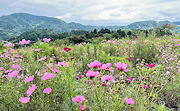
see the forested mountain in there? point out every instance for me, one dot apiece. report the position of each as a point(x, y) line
point(15, 24)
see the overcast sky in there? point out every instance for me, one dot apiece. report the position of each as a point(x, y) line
point(96, 12)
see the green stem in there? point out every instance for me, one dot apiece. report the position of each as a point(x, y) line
point(98, 99)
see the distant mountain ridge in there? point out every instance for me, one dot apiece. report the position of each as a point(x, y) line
point(14, 24)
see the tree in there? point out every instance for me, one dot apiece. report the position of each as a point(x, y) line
point(129, 33)
point(165, 29)
point(95, 31)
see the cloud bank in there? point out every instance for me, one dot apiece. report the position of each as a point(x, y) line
point(97, 12)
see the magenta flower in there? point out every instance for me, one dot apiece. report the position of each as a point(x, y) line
point(151, 65)
point(92, 74)
point(47, 90)
point(105, 66)
point(29, 79)
point(121, 67)
point(82, 107)
point(94, 64)
point(79, 76)
point(129, 79)
point(107, 78)
point(154, 83)
point(130, 101)
point(24, 100)
point(31, 90)
point(88, 81)
point(146, 86)
point(13, 74)
point(46, 40)
point(78, 99)
point(179, 70)
point(85, 71)
point(103, 84)
point(129, 59)
point(24, 41)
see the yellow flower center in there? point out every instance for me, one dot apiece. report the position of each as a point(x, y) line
point(32, 90)
point(82, 108)
point(24, 101)
point(78, 100)
point(46, 77)
point(47, 91)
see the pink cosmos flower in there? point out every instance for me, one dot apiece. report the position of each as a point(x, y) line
point(121, 67)
point(57, 71)
point(105, 66)
point(122, 77)
point(130, 101)
point(94, 64)
point(47, 76)
point(47, 90)
point(168, 68)
point(179, 70)
point(6, 51)
point(31, 90)
point(8, 45)
point(24, 41)
point(78, 99)
point(151, 65)
point(92, 74)
point(24, 100)
point(49, 65)
point(63, 64)
point(16, 66)
point(45, 70)
point(167, 72)
point(42, 58)
point(107, 78)
point(1, 68)
point(13, 74)
point(29, 79)
point(82, 107)
point(46, 40)
point(37, 50)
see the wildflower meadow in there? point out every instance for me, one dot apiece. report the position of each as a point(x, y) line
point(137, 74)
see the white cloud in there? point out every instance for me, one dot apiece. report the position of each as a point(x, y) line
point(68, 15)
point(105, 12)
